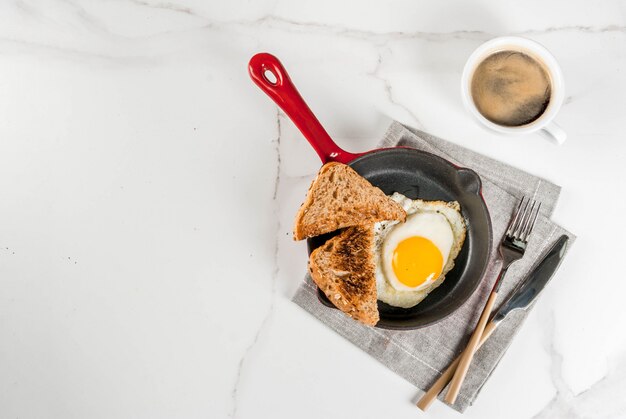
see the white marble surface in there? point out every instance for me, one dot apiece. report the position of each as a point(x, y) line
point(147, 190)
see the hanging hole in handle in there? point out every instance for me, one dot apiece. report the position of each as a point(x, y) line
point(270, 77)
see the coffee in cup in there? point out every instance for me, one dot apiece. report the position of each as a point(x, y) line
point(511, 88)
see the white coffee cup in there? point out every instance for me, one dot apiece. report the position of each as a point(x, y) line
point(545, 122)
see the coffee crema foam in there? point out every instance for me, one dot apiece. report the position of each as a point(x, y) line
point(511, 88)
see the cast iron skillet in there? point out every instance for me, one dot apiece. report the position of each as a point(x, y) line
point(412, 172)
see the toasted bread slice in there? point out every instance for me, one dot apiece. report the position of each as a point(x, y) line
point(339, 197)
point(343, 268)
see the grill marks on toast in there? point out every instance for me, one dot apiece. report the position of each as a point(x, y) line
point(343, 268)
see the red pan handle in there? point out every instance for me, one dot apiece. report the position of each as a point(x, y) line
point(279, 87)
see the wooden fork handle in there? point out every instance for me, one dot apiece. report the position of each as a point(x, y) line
point(429, 397)
point(470, 349)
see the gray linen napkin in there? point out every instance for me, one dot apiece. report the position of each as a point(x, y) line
point(420, 356)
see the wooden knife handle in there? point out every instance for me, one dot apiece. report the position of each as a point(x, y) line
point(429, 397)
point(470, 349)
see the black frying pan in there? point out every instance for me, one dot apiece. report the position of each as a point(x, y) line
point(412, 172)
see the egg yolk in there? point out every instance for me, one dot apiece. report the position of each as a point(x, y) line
point(416, 260)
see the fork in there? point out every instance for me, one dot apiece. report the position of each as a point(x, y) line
point(511, 249)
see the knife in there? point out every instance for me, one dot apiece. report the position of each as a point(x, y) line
point(527, 290)
point(522, 296)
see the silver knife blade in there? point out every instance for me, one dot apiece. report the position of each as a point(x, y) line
point(527, 290)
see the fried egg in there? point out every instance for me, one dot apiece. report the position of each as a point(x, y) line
point(412, 258)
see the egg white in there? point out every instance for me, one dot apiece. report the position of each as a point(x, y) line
point(389, 289)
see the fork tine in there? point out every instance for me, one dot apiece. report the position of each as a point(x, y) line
point(532, 224)
point(520, 222)
point(528, 216)
point(513, 222)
